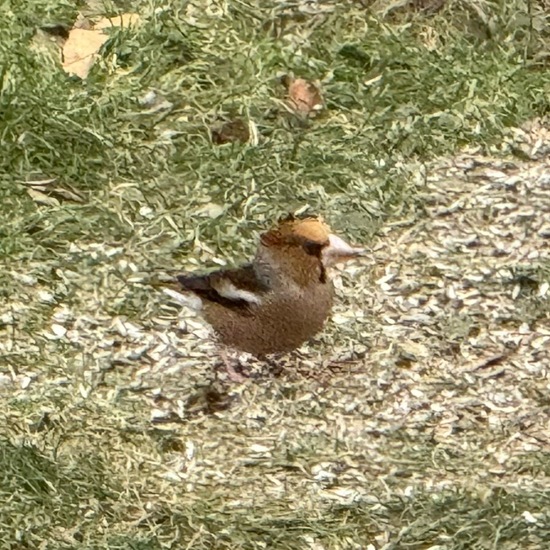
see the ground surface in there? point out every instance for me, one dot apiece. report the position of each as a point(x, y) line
point(418, 419)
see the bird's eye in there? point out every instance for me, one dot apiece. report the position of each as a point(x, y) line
point(312, 248)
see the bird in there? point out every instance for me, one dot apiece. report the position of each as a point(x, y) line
point(280, 299)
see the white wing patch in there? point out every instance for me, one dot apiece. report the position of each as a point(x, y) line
point(228, 290)
point(188, 299)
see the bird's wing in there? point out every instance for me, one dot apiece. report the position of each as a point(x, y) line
point(235, 288)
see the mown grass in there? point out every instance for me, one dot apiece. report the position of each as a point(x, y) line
point(75, 501)
point(400, 86)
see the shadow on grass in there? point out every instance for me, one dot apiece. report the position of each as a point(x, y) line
point(77, 503)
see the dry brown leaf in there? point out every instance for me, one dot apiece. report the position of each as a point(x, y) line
point(304, 96)
point(84, 42)
point(42, 192)
point(80, 51)
point(230, 131)
point(41, 198)
point(67, 194)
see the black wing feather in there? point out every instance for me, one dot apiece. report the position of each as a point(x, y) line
point(244, 277)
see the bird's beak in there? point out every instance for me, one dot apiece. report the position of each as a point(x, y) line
point(339, 250)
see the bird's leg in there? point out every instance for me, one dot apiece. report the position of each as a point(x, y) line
point(232, 374)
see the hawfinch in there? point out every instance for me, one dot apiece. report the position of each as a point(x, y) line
point(279, 300)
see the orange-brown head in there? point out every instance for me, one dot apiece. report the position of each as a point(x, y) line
point(304, 248)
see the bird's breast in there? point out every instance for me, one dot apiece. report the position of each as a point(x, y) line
point(280, 323)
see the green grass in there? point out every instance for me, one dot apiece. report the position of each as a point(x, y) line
point(72, 500)
point(401, 88)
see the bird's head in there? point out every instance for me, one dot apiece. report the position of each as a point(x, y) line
point(305, 247)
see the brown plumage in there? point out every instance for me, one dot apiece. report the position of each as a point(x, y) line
point(282, 298)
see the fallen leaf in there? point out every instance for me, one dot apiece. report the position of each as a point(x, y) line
point(84, 41)
point(304, 97)
point(39, 180)
point(42, 192)
point(80, 51)
point(230, 132)
point(42, 198)
point(212, 210)
point(68, 194)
